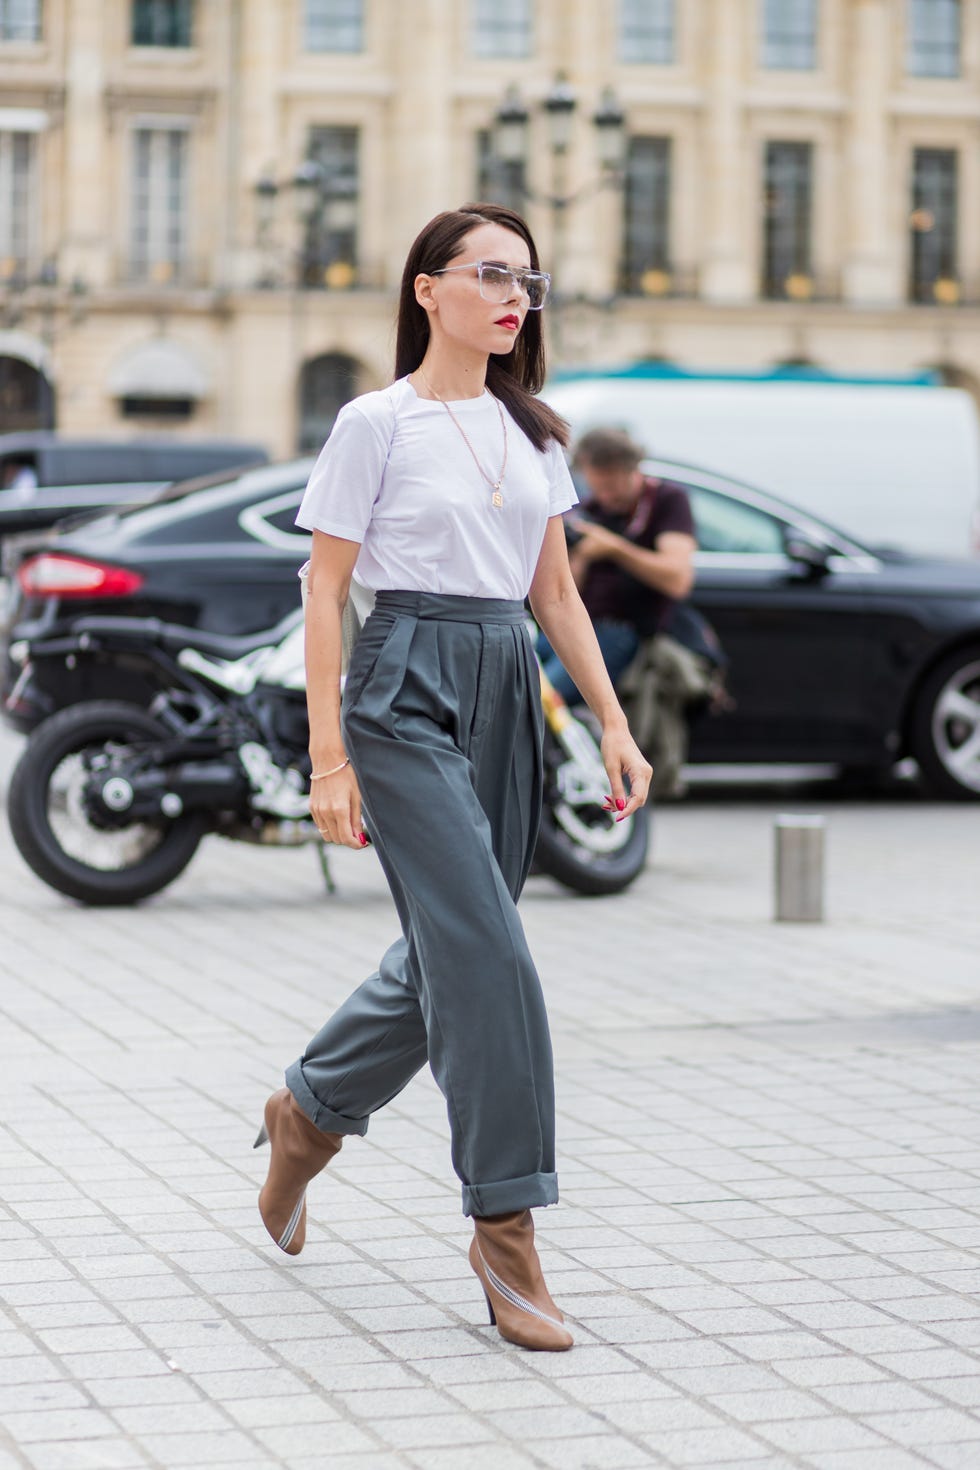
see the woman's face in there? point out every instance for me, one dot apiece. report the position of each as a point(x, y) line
point(458, 312)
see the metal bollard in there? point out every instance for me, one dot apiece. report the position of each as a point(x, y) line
point(799, 869)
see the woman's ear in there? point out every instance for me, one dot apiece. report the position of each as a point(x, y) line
point(425, 292)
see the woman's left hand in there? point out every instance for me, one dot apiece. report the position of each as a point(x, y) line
point(621, 757)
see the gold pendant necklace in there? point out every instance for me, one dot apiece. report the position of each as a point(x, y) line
point(496, 499)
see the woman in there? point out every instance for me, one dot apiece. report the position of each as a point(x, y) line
point(446, 492)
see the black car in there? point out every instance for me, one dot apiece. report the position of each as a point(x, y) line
point(45, 476)
point(838, 653)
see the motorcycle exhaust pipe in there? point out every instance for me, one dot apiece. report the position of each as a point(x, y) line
point(274, 832)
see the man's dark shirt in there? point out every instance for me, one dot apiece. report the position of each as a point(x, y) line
point(609, 591)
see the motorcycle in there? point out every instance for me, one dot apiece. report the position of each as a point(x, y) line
point(110, 799)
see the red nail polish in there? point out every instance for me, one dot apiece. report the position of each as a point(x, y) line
point(620, 804)
point(362, 836)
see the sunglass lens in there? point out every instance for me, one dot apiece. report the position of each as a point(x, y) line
point(537, 290)
point(495, 284)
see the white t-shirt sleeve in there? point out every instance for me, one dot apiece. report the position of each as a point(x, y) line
point(346, 478)
point(561, 490)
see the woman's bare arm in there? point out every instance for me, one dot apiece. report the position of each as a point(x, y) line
point(335, 801)
point(561, 614)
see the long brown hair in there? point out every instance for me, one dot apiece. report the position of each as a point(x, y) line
point(515, 377)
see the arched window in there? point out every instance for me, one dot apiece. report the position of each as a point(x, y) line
point(326, 383)
point(26, 397)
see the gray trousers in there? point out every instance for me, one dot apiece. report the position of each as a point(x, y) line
point(442, 722)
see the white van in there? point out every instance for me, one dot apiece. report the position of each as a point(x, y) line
point(892, 465)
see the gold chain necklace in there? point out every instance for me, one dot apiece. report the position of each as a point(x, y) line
point(496, 499)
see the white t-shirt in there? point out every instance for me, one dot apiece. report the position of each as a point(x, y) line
point(396, 476)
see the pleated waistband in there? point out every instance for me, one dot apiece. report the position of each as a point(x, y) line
point(451, 608)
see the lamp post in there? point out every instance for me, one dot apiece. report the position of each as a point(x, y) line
point(510, 144)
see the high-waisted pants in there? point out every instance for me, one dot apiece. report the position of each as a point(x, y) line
point(442, 722)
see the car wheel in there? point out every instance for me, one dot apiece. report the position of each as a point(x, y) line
point(946, 726)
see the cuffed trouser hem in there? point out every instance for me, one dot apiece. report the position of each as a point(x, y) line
point(508, 1195)
point(324, 1118)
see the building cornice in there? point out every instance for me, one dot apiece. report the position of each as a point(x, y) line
point(123, 101)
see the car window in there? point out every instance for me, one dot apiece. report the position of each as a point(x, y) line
point(273, 522)
point(723, 524)
point(285, 518)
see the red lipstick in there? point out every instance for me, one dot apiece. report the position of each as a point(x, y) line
point(508, 321)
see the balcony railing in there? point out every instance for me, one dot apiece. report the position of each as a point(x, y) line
point(946, 290)
point(660, 282)
point(281, 274)
point(801, 287)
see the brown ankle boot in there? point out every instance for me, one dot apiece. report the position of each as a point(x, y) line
point(504, 1258)
point(299, 1151)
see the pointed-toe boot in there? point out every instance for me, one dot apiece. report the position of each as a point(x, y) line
point(503, 1256)
point(299, 1151)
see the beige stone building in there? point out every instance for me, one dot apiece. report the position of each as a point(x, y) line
point(205, 204)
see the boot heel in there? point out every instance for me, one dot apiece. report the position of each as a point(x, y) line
point(493, 1315)
point(262, 1138)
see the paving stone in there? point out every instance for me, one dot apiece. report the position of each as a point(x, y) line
point(90, 1454)
point(709, 1447)
point(289, 1440)
point(586, 1453)
point(932, 1426)
point(57, 1424)
point(217, 1447)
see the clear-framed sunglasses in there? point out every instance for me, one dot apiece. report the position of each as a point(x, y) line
point(498, 282)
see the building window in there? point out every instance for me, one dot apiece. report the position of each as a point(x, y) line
point(501, 28)
point(788, 191)
point(26, 402)
point(646, 31)
point(933, 224)
point(330, 244)
point(158, 233)
point(174, 410)
point(646, 217)
point(498, 180)
point(789, 34)
point(162, 22)
point(20, 20)
point(934, 38)
point(18, 191)
point(333, 25)
point(326, 383)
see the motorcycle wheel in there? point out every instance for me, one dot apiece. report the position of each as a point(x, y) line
point(581, 845)
point(55, 834)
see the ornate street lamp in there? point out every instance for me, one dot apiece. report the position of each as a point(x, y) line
point(325, 205)
point(609, 120)
point(510, 137)
point(559, 105)
point(512, 153)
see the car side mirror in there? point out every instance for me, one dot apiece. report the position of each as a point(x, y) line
point(809, 557)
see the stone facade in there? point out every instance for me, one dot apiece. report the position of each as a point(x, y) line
point(245, 94)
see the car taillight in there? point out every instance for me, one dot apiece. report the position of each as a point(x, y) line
point(55, 575)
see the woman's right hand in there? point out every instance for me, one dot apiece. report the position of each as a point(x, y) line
point(335, 805)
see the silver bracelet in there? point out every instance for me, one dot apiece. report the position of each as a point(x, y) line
point(332, 772)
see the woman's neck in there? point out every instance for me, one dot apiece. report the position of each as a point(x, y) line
point(451, 375)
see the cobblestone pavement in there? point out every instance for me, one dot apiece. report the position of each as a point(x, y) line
point(769, 1153)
